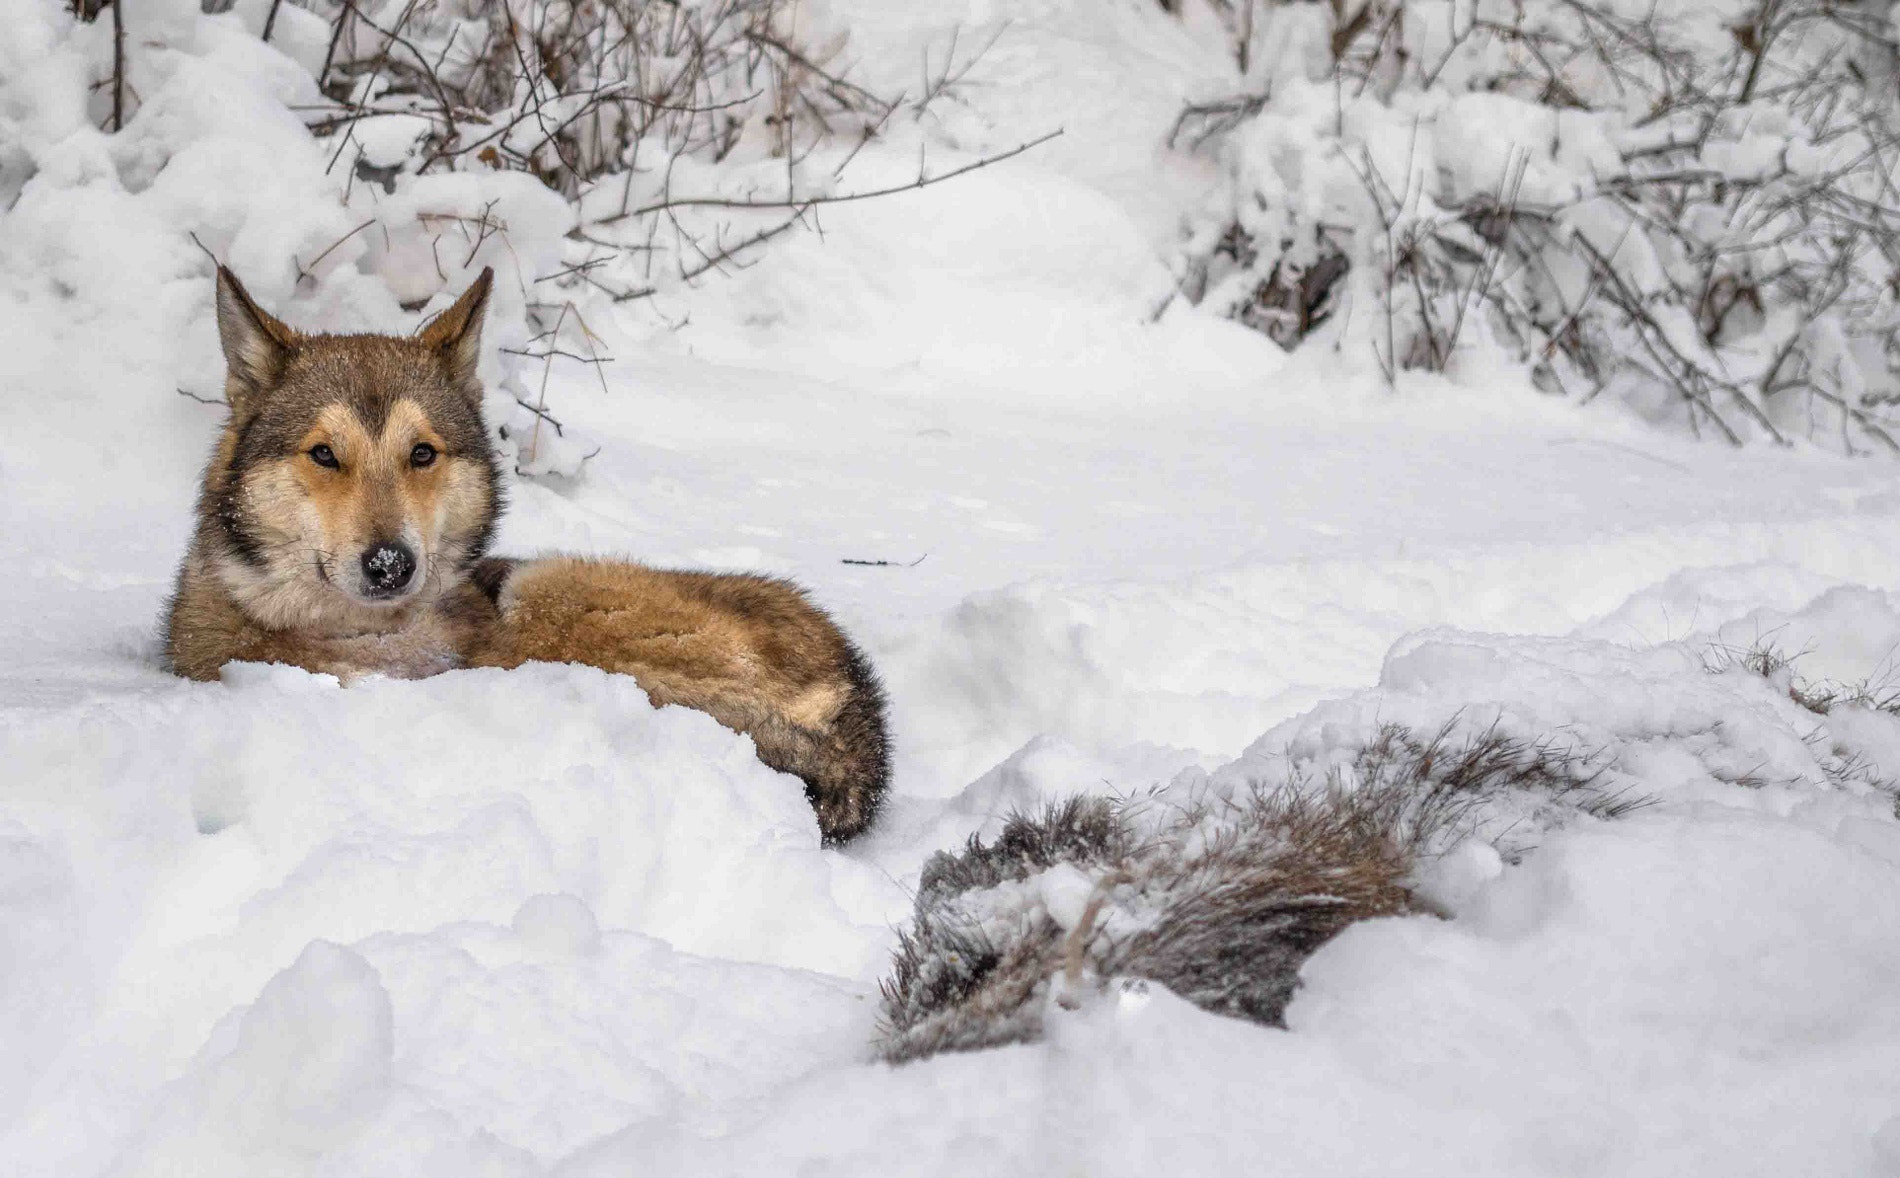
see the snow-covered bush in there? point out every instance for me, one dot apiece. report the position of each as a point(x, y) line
point(1690, 207)
point(638, 111)
point(659, 123)
point(591, 152)
point(686, 135)
point(572, 90)
point(137, 149)
point(1219, 894)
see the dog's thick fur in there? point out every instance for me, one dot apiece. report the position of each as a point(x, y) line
point(343, 526)
point(750, 651)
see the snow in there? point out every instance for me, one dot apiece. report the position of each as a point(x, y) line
point(1758, 1013)
point(521, 923)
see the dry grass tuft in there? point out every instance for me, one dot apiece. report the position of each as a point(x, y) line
point(1221, 900)
point(1765, 658)
point(1844, 766)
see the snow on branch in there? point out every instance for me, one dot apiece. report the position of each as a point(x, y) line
point(684, 137)
point(1696, 214)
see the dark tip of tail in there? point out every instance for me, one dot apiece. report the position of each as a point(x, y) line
point(849, 801)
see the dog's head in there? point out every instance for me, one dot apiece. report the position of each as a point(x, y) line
point(355, 473)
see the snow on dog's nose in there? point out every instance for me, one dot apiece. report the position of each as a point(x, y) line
point(388, 568)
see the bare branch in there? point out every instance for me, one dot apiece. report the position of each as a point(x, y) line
point(923, 180)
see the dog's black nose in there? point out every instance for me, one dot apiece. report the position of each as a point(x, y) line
point(387, 568)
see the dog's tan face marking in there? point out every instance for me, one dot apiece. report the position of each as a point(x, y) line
point(356, 477)
point(359, 488)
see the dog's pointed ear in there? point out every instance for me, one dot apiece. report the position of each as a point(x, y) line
point(457, 332)
point(255, 344)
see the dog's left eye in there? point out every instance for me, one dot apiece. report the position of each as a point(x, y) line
point(422, 455)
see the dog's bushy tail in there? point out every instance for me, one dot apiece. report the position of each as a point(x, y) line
point(846, 765)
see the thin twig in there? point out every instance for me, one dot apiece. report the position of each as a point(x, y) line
point(303, 272)
point(885, 564)
point(118, 65)
point(807, 202)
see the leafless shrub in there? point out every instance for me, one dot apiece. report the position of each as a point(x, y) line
point(1221, 900)
point(1285, 290)
point(1437, 267)
point(629, 94)
point(574, 89)
point(688, 134)
point(1739, 251)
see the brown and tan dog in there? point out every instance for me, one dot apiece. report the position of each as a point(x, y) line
point(343, 525)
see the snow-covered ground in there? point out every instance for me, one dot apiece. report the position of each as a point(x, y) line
point(521, 923)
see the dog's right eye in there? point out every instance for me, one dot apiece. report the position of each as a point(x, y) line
point(323, 456)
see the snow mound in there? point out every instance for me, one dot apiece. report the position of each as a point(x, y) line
point(1680, 986)
point(468, 842)
point(518, 923)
